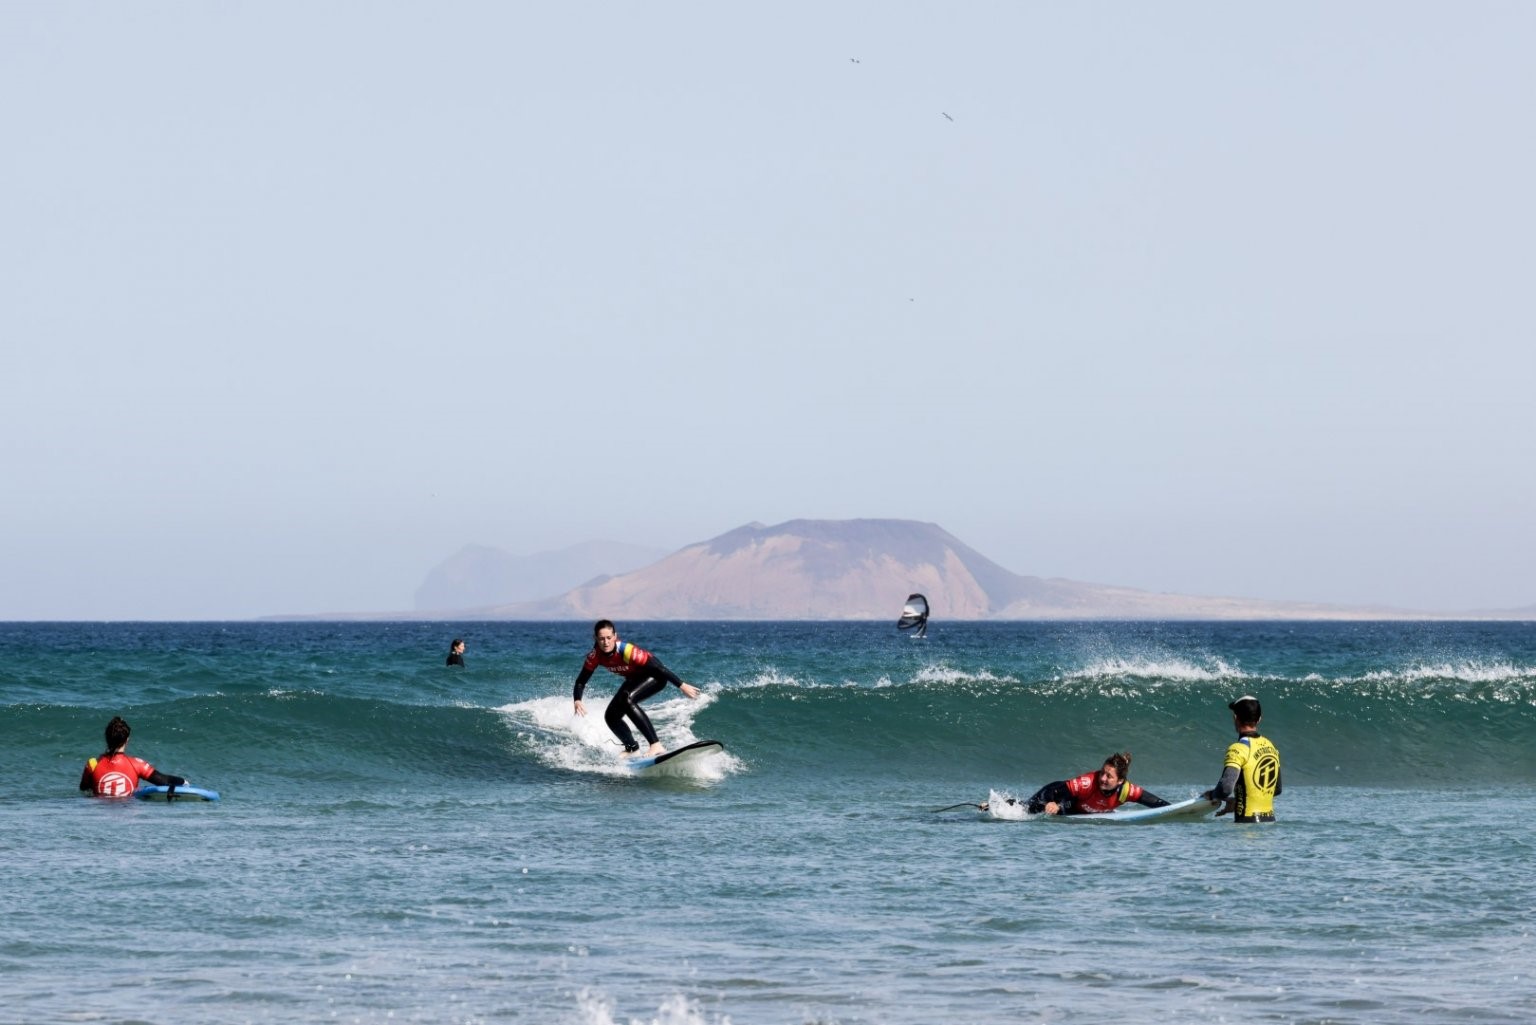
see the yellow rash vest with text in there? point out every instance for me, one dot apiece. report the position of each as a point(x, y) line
point(1257, 762)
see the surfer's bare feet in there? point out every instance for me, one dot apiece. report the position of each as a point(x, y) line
point(654, 749)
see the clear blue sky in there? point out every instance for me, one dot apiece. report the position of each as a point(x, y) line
point(297, 299)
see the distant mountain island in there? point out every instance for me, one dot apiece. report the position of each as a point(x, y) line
point(477, 576)
point(813, 570)
point(864, 569)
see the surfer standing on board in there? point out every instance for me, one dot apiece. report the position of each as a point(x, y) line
point(117, 774)
point(644, 676)
point(1250, 778)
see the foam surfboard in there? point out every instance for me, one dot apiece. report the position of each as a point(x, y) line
point(184, 793)
point(681, 756)
point(1194, 808)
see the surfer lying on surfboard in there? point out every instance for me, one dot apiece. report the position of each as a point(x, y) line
point(1092, 793)
point(116, 773)
point(644, 676)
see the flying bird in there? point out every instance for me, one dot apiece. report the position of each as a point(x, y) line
point(946, 115)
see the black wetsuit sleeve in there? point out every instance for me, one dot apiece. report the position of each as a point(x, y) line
point(165, 779)
point(1056, 792)
point(1226, 786)
point(662, 672)
point(87, 781)
point(1150, 800)
point(581, 683)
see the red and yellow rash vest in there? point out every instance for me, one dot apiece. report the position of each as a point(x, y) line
point(626, 659)
point(1088, 799)
point(1257, 762)
point(118, 775)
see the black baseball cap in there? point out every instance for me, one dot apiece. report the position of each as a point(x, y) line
point(1247, 708)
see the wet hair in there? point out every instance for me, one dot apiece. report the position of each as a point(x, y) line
point(117, 733)
point(1122, 763)
point(456, 642)
point(601, 625)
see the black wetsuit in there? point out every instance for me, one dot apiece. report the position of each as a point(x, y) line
point(644, 677)
point(455, 659)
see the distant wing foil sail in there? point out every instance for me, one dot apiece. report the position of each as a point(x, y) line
point(914, 614)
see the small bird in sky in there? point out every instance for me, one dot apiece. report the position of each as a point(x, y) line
point(854, 59)
point(946, 115)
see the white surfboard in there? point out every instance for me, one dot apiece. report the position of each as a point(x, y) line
point(1129, 814)
point(679, 757)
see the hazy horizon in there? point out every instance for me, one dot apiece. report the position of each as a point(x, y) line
point(516, 600)
point(300, 300)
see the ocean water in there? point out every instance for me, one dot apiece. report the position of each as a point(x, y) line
point(401, 842)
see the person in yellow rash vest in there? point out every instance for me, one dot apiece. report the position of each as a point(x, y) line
point(1250, 779)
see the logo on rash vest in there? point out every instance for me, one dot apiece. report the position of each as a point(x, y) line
point(115, 784)
point(1266, 772)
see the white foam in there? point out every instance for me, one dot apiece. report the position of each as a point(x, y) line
point(999, 808)
point(940, 672)
point(597, 1009)
point(1463, 672)
point(584, 743)
point(1165, 667)
point(287, 694)
point(771, 677)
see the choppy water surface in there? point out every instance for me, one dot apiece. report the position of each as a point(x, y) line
point(403, 842)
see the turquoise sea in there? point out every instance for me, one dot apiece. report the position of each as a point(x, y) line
point(402, 842)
